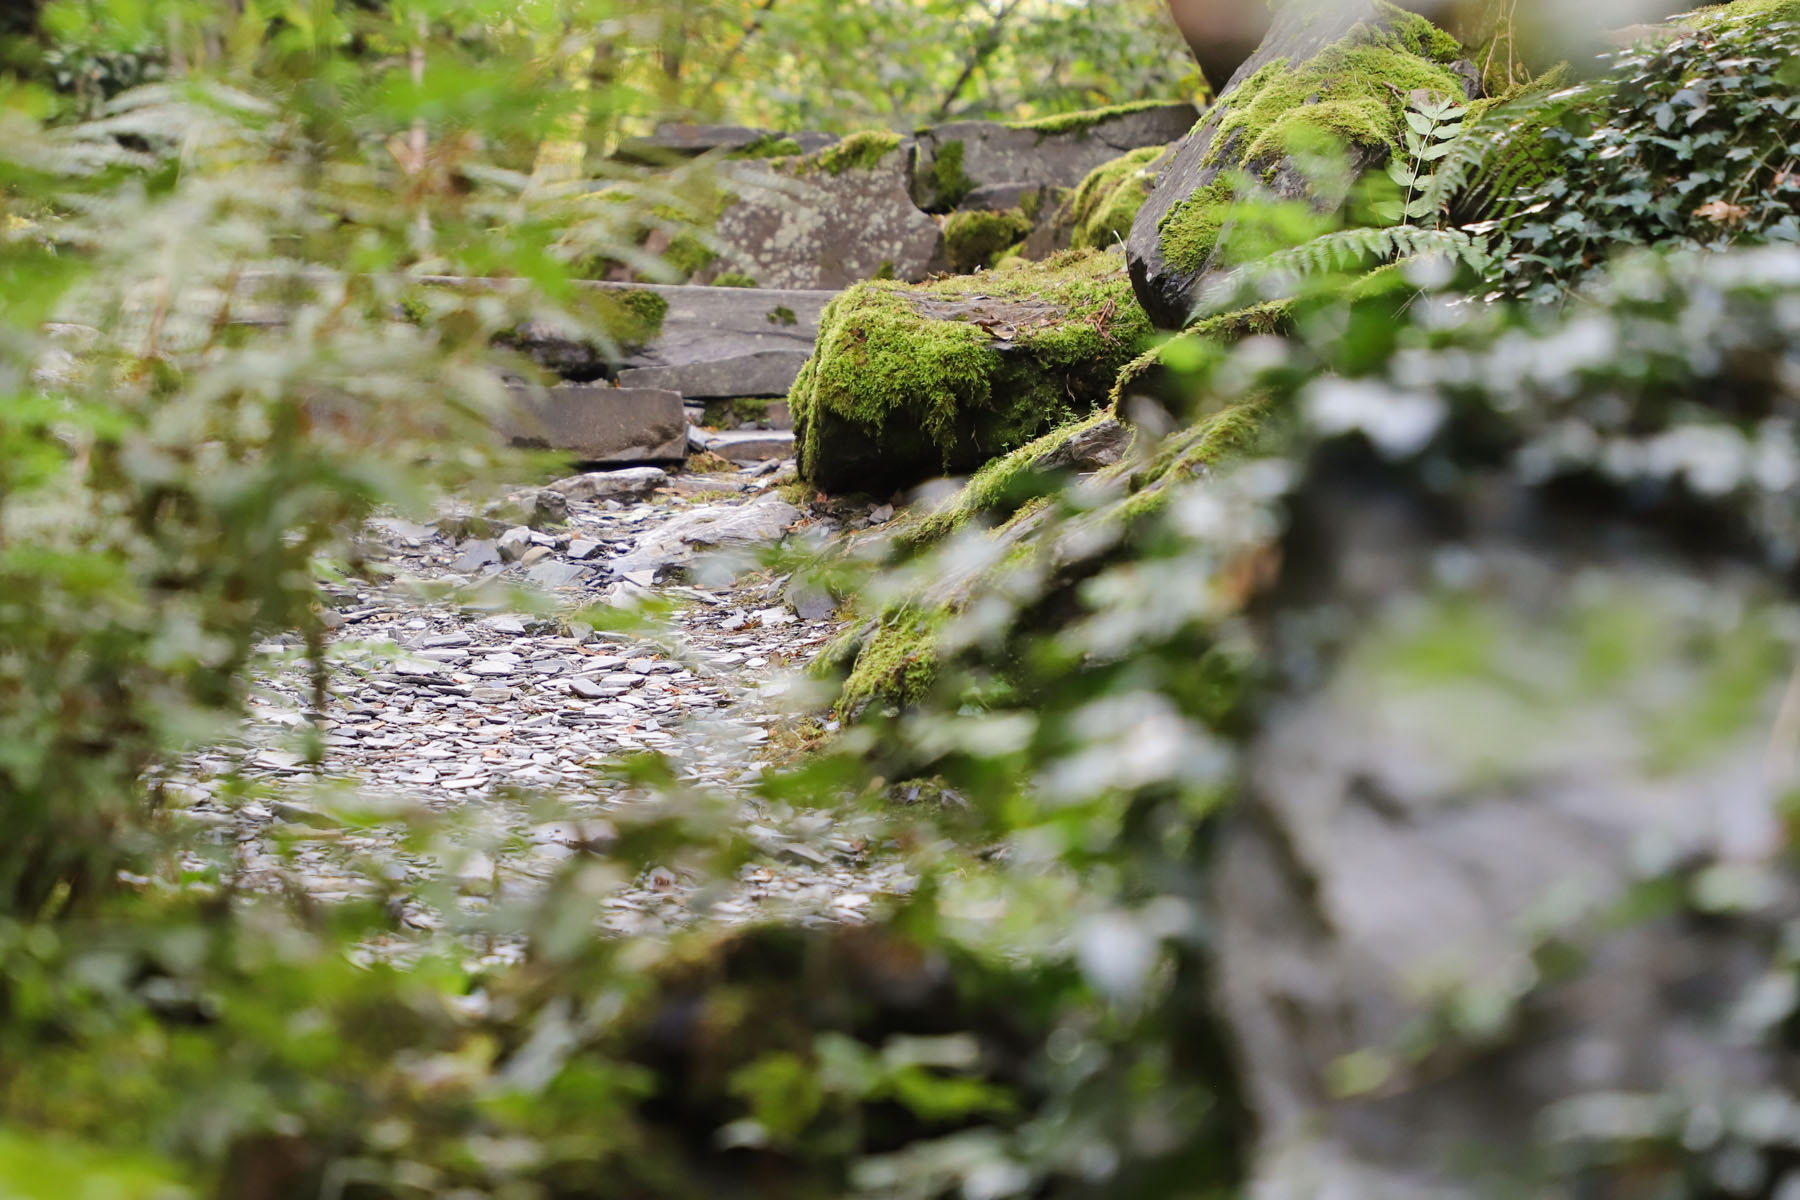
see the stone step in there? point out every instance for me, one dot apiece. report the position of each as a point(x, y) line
point(713, 343)
point(751, 445)
point(596, 423)
point(763, 373)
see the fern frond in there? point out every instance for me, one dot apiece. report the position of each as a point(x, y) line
point(1351, 249)
point(1474, 159)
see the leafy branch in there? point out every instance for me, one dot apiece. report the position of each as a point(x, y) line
point(1433, 126)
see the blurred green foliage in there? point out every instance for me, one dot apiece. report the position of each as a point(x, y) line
point(215, 360)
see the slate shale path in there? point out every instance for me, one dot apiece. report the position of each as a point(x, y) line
point(496, 724)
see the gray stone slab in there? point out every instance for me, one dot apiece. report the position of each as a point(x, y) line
point(558, 574)
point(762, 373)
point(701, 325)
point(995, 153)
point(597, 423)
point(678, 542)
point(752, 445)
point(799, 224)
point(672, 140)
point(631, 483)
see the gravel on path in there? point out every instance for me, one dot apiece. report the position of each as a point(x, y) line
point(496, 727)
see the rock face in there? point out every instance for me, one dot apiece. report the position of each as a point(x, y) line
point(599, 423)
point(827, 220)
point(758, 373)
point(673, 140)
point(1422, 956)
point(1338, 70)
point(910, 383)
point(951, 161)
point(705, 342)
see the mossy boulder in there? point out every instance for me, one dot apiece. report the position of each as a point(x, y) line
point(1099, 213)
point(894, 659)
point(1329, 76)
point(907, 383)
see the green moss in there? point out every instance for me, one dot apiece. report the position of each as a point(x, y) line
point(1002, 488)
point(1269, 317)
point(1172, 371)
point(742, 410)
point(769, 145)
point(1749, 12)
point(906, 382)
point(1355, 91)
point(1205, 444)
point(736, 279)
point(1192, 452)
point(1419, 36)
point(1031, 203)
point(647, 308)
point(688, 254)
point(1077, 121)
point(632, 316)
point(858, 152)
point(885, 270)
point(1102, 209)
point(1190, 230)
point(947, 175)
point(898, 661)
point(974, 239)
point(784, 316)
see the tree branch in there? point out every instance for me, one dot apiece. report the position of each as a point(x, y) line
point(983, 50)
point(750, 28)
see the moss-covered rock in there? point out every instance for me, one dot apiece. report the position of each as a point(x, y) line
point(1166, 372)
point(1101, 210)
point(911, 382)
point(1010, 482)
point(894, 659)
point(1753, 12)
point(858, 152)
point(976, 239)
point(1354, 92)
point(1327, 77)
point(769, 145)
point(1087, 119)
point(952, 161)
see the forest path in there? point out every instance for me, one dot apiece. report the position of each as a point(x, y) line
point(497, 726)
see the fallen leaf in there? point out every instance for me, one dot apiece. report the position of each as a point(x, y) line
point(1721, 212)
